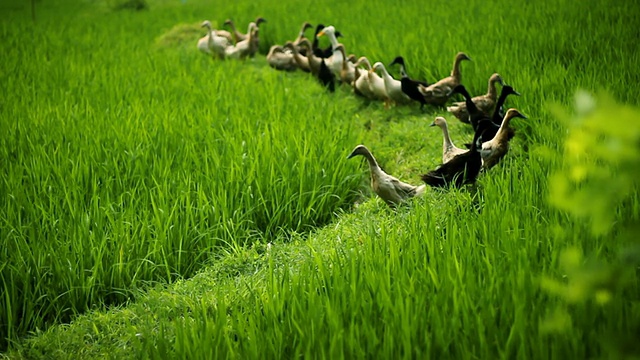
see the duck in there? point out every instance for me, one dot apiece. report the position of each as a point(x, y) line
point(392, 86)
point(377, 85)
point(301, 36)
point(348, 70)
point(438, 93)
point(312, 60)
point(225, 34)
point(301, 61)
point(494, 150)
point(485, 103)
point(449, 150)
point(361, 84)
point(319, 68)
point(410, 86)
point(240, 36)
point(280, 60)
point(477, 117)
point(335, 61)
point(243, 48)
point(212, 44)
point(393, 191)
point(322, 53)
point(462, 169)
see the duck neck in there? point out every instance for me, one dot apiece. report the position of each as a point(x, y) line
point(235, 31)
point(385, 75)
point(373, 164)
point(503, 126)
point(501, 100)
point(471, 106)
point(210, 40)
point(403, 72)
point(492, 93)
point(446, 140)
point(333, 40)
point(314, 45)
point(456, 69)
point(345, 63)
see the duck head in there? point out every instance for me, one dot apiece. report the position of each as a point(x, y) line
point(509, 90)
point(514, 113)
point(496, 78)
point(397, 60)
point(206, 24)
point(462, 56)
point(378, 66)
point(363, 60)
point(328, 29)
point(306, 25)
point(260, 20)
point(439, 122)
point(359, 150)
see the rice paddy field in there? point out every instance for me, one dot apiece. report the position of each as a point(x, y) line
point(156, 203)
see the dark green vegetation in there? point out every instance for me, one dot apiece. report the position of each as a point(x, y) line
point(126, 163)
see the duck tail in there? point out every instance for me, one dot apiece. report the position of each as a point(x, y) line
point(434, 179)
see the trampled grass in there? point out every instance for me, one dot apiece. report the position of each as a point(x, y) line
point(126, 163)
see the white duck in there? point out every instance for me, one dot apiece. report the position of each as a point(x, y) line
point(212, 44)
point(389, 188)
point(392, 86)
point(377, 85)
point(243, 48)
point(361, 84)
point(334, 63)
point(449, 151)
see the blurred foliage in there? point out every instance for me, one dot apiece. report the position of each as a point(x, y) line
point(601, 160)
point(598, 182)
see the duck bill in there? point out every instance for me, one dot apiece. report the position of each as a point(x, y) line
point(321, 33)
point(432, 124)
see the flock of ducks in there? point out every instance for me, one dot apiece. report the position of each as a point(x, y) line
point(236, 45)
point(332, 65)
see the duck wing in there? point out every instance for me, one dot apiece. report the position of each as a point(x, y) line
point(462, 169)
point(403, 189)
point(484, 104)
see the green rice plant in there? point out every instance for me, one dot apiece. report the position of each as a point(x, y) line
point(126, 167)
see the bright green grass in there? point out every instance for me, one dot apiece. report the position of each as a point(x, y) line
point(124, 163)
